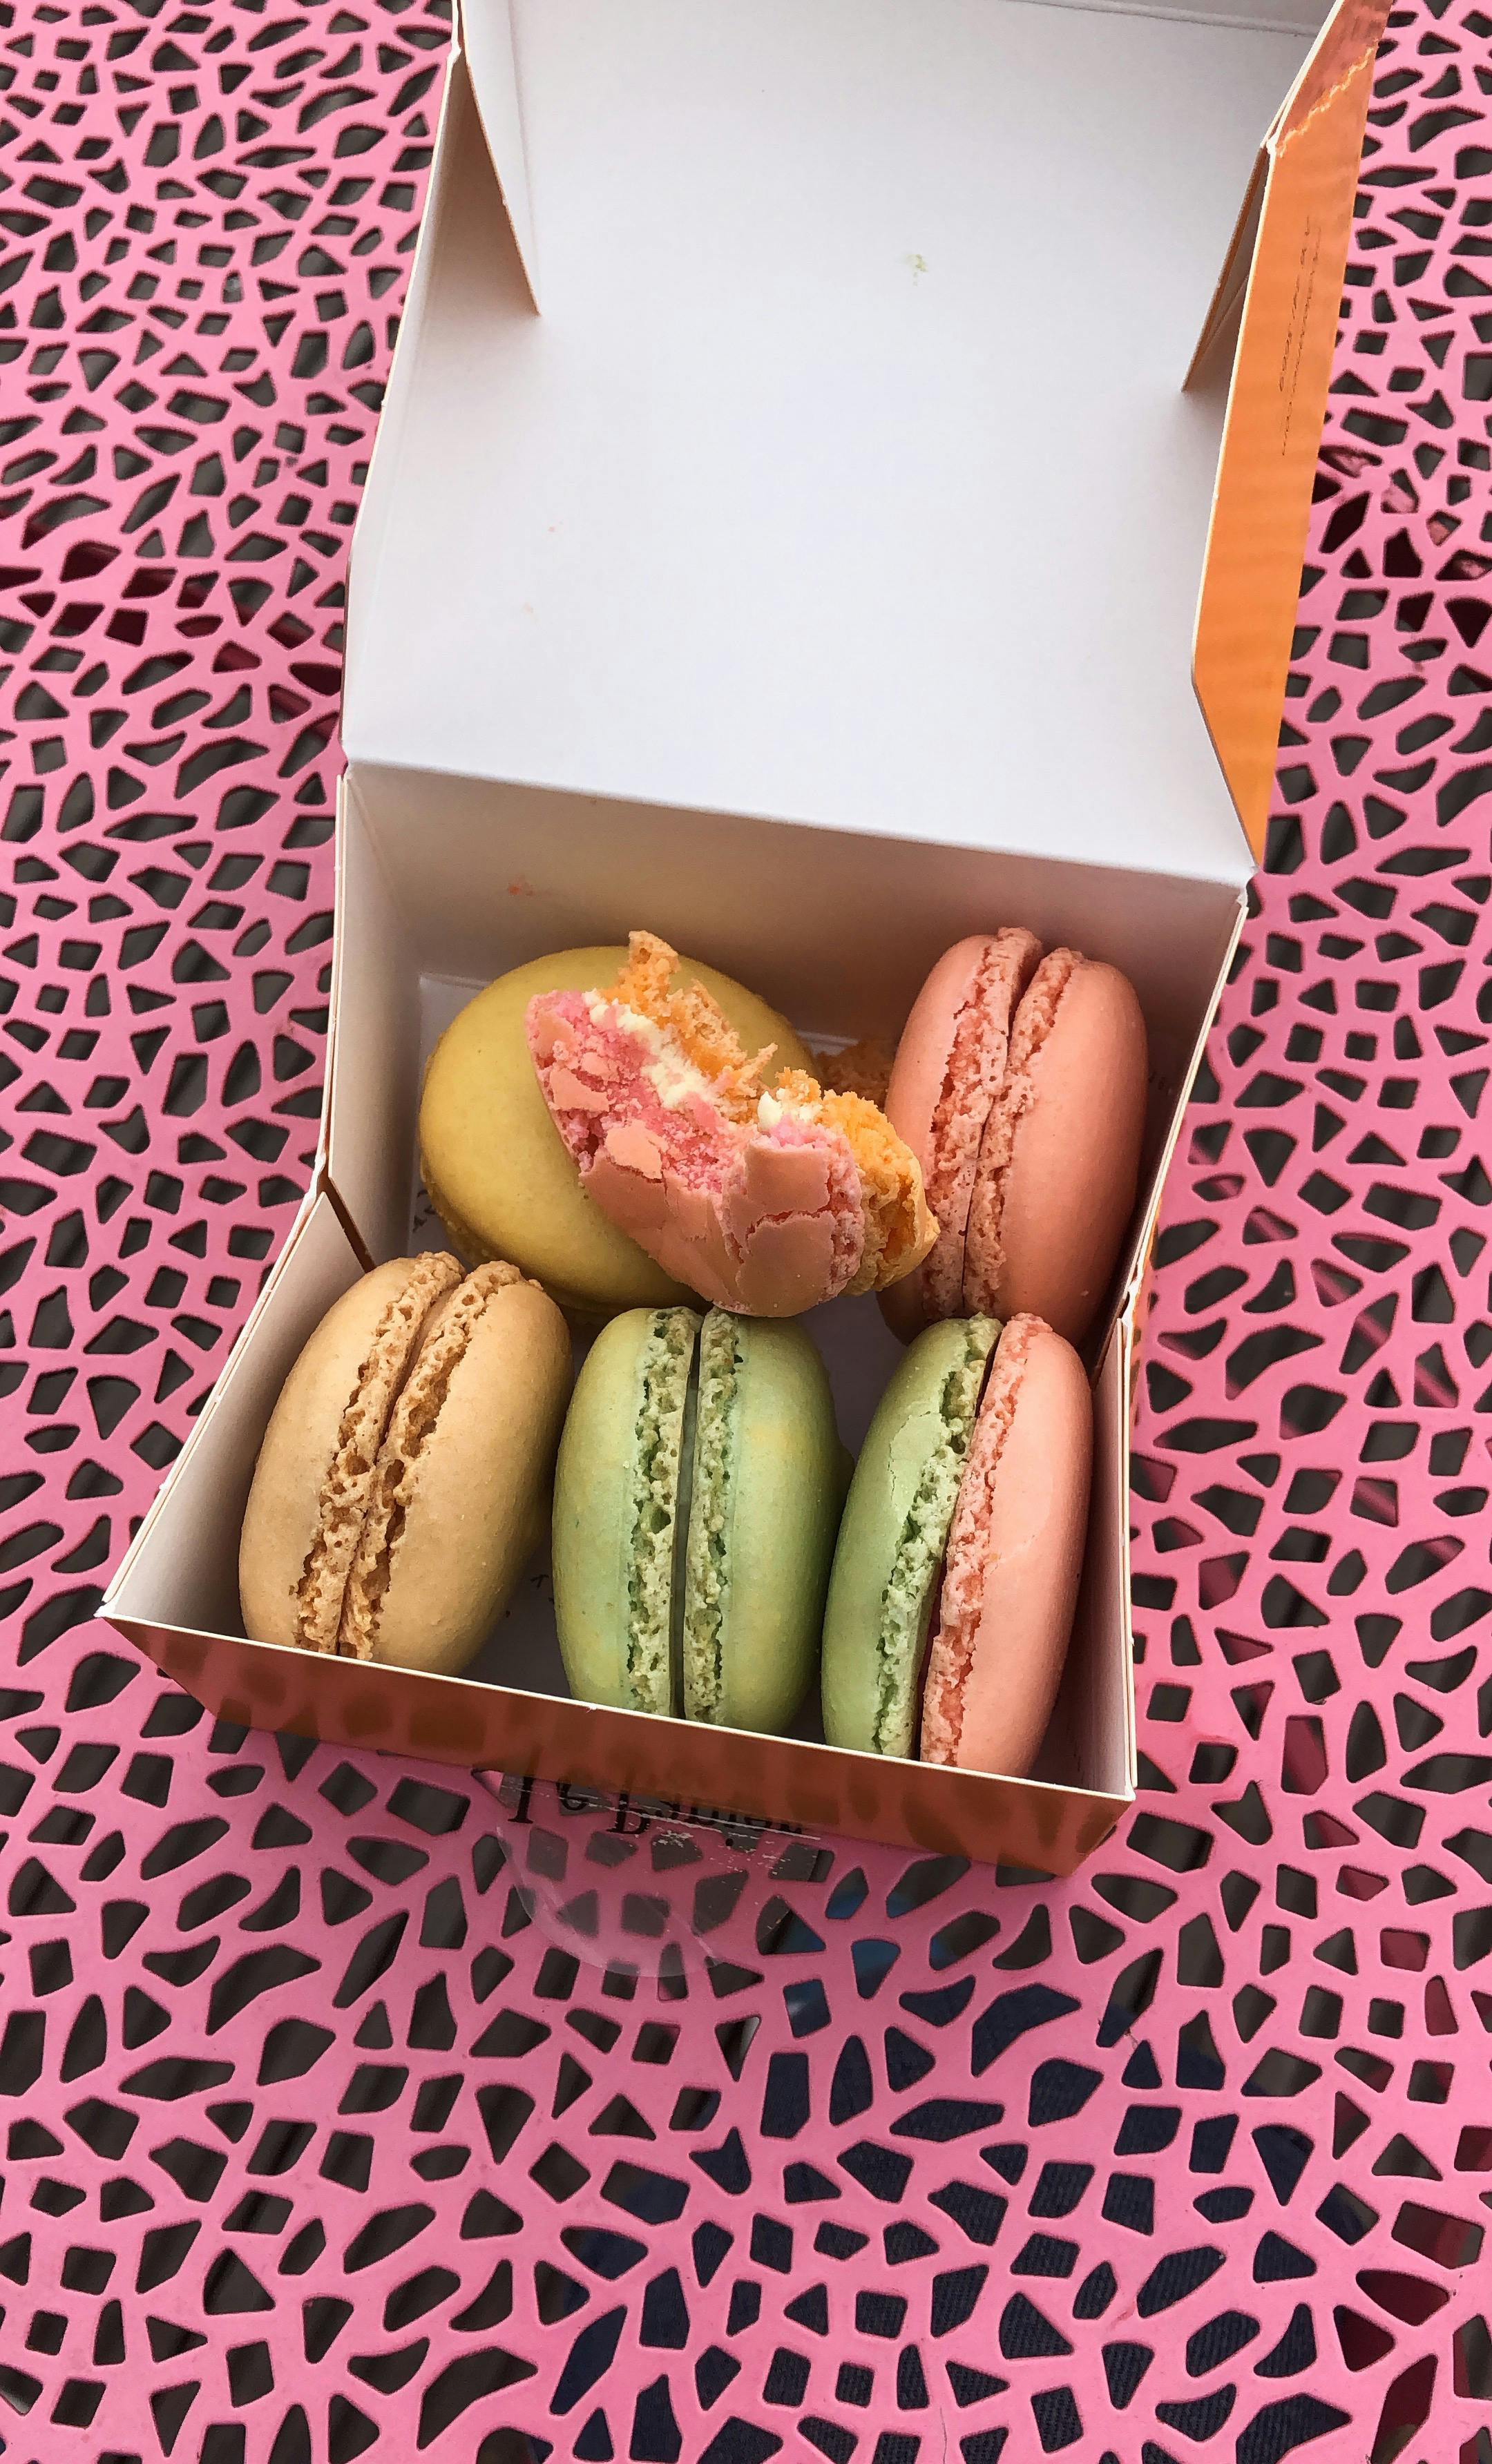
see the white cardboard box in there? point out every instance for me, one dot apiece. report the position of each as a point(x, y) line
point(785, 533)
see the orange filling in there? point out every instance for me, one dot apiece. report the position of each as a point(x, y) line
point(698, 1025)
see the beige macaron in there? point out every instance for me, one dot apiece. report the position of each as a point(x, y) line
point(404, 1477)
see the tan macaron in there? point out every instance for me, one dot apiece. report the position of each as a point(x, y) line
point(404, 1477)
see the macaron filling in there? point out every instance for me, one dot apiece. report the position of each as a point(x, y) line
point(321, 1589)
point(1034, 1019)
point(707, 1577)
point(961, 1600)
point(665, 1374)
point(683, 1510)
point(907, 1603)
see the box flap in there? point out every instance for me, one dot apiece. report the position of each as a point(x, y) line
point(1277, 400)
point(844, 478)
point(486, 36)
point(1219, 335)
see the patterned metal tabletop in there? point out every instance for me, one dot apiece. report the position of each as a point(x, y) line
point(349, 2109)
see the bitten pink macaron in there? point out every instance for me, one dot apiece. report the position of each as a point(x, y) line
point(1019, 1083)
point(766, 1198)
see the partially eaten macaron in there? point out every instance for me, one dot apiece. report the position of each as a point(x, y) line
point(403, 1479)
point(697, 1497)
point(955, 1577)
point(763, 1195)
point(502, 1183)
point(1020, 1085)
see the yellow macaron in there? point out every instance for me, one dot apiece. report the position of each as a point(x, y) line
point(495, 1166)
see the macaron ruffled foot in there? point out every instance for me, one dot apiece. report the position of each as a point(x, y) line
point(889, 1558)
point(765, 1198)
point(947, 1073)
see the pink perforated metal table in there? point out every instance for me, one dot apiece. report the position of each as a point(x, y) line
point(352, 2110)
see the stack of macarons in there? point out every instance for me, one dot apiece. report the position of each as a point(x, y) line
point(502, 1178)
point(697, 1152)
point(622, 1134)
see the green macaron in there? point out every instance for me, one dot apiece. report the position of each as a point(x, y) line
point(888, 1564)
point(696, 1502)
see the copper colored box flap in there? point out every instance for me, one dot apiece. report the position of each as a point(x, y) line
point(1301, 201)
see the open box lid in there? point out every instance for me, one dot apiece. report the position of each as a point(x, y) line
point(846, 477)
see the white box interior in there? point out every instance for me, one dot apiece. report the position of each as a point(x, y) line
point(445, 883)
point(845, 477)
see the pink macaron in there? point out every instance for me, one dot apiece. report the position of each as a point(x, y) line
point(1014, 1558)
point(766, 1198)
point(1019, 1083)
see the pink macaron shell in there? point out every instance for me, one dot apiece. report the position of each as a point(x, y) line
point(1060, 1166)
point(949, 1067)
point(1015, 1557)
point(779, 1236)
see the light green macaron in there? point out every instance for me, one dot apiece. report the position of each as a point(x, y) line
point(696, 1502)
point(888, 1564)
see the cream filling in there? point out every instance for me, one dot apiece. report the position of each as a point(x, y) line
point(711, 1511)
point(771, 1109)
point(603, 1012)
point(674, 1077)
point(676, 1080)
point(664, 1378)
